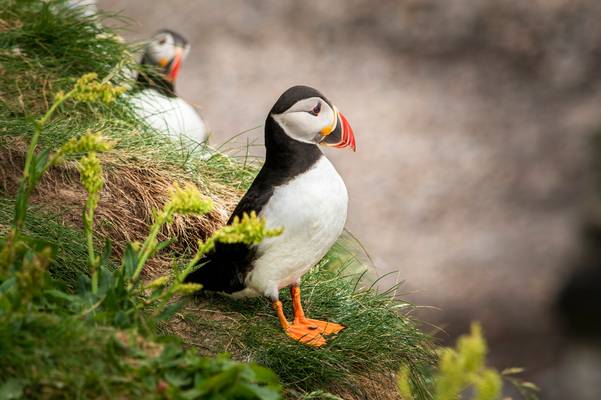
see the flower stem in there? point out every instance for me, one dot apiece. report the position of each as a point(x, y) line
point(149, 244)
point(29, 175)
point(88, 219)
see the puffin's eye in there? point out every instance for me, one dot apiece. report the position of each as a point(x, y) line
point(162, 40)
point(316, 109)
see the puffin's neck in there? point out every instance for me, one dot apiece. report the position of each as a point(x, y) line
point(286, 156)
point(156, 81)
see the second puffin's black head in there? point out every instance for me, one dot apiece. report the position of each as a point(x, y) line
point(166, 51)
point(305, 115)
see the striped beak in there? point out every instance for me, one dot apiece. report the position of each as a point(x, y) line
point(175, 64)
point(339, 134)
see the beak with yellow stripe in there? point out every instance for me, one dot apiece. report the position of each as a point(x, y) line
point(339, 133)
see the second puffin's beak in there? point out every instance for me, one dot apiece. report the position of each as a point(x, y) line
point(339, 133)
point(175, 64)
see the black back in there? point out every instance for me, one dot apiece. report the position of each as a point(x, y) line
point(226, 268)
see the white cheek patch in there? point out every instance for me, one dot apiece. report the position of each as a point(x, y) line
point(303, 126)
point(300, 126)
point(165, 51)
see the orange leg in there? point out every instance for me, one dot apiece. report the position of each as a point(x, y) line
point(323, 327)
point(299, 332)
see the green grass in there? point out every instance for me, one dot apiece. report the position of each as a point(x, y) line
point(48, 341)
point(57, 356)
point(70, 250)
point(378, 337)
point(43, 50)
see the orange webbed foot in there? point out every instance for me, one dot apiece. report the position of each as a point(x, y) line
point(323, 327)
point(305, 335)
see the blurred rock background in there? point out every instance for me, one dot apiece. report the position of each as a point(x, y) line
point(473, 120)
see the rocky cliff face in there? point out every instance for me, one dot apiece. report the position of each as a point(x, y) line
point(472, 119)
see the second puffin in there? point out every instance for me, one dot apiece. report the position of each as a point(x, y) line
point(156, 102)
point(297, 189)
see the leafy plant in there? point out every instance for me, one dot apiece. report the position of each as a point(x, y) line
point(110, 298)
point(462, 369)
point(528, 390)
point(23, 263)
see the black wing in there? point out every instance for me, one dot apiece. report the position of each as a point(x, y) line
point(225, 268)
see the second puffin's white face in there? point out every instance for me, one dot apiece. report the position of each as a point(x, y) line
point(163, 48)
point(308, 120)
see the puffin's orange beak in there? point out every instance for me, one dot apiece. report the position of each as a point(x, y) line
point(339, 134)
point(175, 65)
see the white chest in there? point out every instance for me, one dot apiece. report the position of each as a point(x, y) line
point(312, 210)
point(171, 116)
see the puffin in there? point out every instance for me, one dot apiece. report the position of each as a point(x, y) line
point(297, 189)
point(156, 102)
point(87, 8)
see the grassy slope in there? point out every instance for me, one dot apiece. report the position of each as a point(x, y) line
point(45, 52)
point(70, 249)
point(360, 361)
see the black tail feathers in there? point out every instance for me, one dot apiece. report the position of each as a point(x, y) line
point(214, 277)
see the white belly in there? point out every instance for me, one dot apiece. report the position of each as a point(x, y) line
point(171, 116)
point(312, 209)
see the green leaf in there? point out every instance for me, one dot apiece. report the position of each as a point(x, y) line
point(58, 294)
point(529, 386)
point(83, 284)
point(7, 285)
point(39, 164)
point(38, 244)
point(130, 261)
point(106, 279)
point(105, 256)
point(177, 378)
point(12, 389)
point(169, 311)
point(263, 374)
point(170, 352)
point(165, 243)
point(249, 391)
point(512, 371)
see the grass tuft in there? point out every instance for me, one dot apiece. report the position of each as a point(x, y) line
point(69, 249)
point(363, 358)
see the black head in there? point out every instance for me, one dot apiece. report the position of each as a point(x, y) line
point(166, 51)
point(293, 95)
point(178, 39)
point(304, 115)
